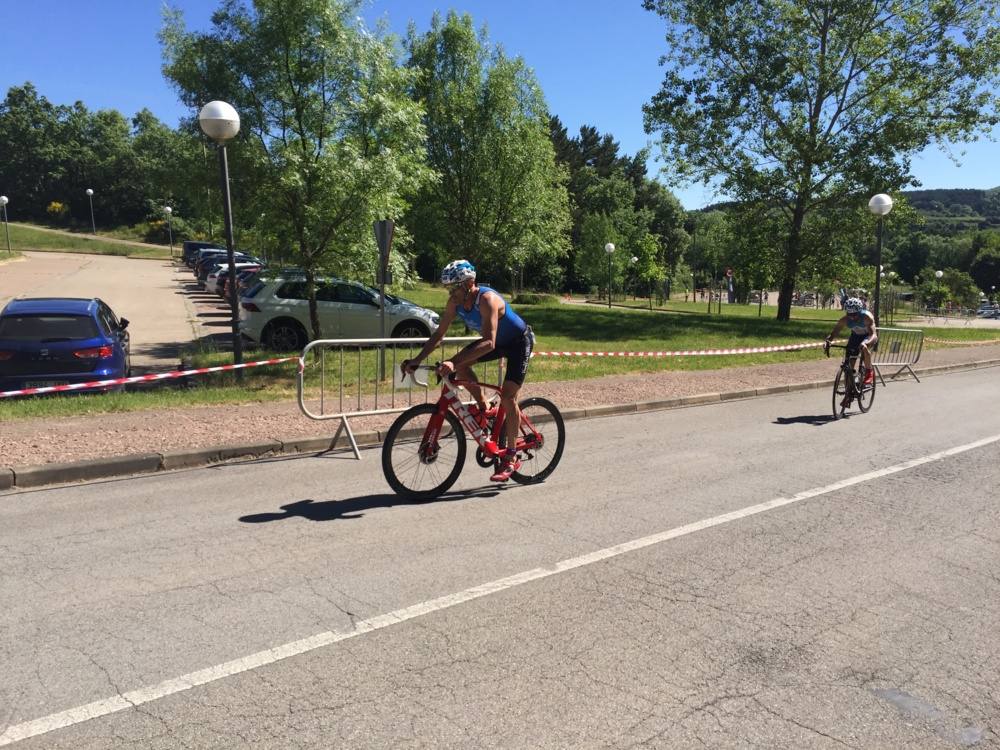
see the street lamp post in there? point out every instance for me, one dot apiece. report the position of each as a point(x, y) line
point(609, 249)
point(6, 229)
point(220, 122)
point(880, 205)
point(170, 229)
point(892, 297)
point(90, 198)
point(938, 275)
point(633, 260)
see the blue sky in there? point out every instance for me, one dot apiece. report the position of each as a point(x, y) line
point(597, 64)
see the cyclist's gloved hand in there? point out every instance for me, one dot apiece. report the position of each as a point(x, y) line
point(409, 366)
point(445, 369)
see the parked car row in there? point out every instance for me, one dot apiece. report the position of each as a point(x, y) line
point(274, 306)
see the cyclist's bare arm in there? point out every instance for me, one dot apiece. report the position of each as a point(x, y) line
point(447, 318)
point(871, 331)
point(489, 310)
point(837, 328)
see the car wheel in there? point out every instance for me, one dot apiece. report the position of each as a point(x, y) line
point(285, 335)
point(410, 329)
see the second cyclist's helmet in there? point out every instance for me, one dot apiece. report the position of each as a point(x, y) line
point(457, 271)
point(853, 305)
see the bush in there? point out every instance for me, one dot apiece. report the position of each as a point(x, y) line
point(534, 298)
point(156, 230)
point(57, 211)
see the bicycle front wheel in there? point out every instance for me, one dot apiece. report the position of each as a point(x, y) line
point(866, 396)
point(841, 387)
point(417, 468)
point(540, 442)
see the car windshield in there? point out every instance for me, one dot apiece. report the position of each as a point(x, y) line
point(47, 328)
point(392, 299)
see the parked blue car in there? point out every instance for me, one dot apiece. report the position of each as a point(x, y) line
point(60, 340)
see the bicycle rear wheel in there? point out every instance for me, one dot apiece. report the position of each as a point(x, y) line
point(540, 442)
point(866, 396)
point(416, 469)
point(841, 387)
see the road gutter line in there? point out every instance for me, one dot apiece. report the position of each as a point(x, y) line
point(133, 698)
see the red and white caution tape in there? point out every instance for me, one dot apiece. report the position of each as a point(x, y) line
point(963, 343)
point(143, 378)
point(261, 363)
point(685, 353)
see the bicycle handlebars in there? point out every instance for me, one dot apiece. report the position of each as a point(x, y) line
point(422, 383)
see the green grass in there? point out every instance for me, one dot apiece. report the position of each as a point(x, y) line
point(24, 237)
point(558, 327)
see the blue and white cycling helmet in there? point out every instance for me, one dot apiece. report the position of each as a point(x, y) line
point(457, 271)
point(853, 305)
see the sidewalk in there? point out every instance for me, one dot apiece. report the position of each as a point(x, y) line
point(38, 452)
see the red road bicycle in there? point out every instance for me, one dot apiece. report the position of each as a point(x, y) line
point(424, 450)
point(849, 386)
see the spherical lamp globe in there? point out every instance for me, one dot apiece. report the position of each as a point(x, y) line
point(219, 121)
point(880, 204)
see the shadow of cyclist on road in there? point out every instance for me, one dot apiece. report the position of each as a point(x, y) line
point(814, 419)
point(354, 507)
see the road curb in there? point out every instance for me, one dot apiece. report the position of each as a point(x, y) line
point(25, 477)
point(99, 468)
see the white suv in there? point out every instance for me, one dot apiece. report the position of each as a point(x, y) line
point(275, 313)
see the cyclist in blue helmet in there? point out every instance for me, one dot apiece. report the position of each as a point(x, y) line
point(503, 334)
point(864, 334)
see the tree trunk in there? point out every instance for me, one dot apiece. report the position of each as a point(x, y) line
point(317, 333)
point(792, 251)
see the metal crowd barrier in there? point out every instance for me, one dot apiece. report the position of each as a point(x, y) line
point(897, 347)
point(352, 381)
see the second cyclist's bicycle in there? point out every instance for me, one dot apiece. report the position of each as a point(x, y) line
point(849, 386)
point(425, 448)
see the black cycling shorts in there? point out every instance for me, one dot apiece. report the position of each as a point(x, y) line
point(854, 344)
point(517, 354)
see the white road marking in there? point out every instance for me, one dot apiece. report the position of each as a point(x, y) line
point(94, 710)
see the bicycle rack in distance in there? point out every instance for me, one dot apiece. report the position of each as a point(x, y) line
point(348, 381)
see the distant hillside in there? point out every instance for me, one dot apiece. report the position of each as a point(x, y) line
point(946, 211)
point(953, 201)
point(950, 211)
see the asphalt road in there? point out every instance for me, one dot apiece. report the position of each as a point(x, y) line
point(150, 293)
point(748, 574)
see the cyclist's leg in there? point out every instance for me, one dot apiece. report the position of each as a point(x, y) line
point(466, 372)
point(866, 354)
point(518, 357)
point(517, 369)
point(855, 352)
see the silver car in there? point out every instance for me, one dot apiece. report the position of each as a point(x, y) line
point(275, 313)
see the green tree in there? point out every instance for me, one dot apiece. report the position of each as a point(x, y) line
point(329, 140)
point(501, 199)
point(953, 286)
point(799, 106)
point(986, 267)
point(35, 152)
point(593, 267)
point(711, 248)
